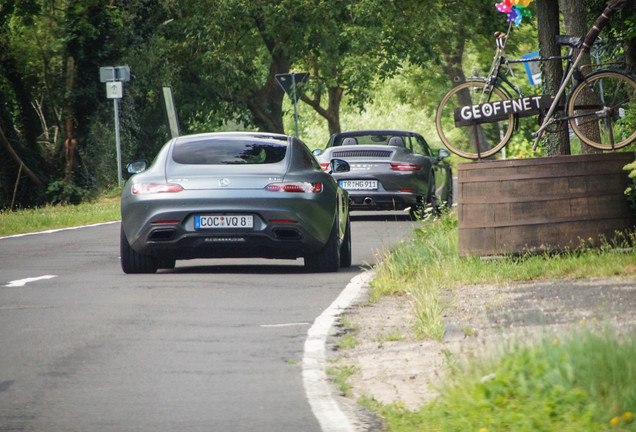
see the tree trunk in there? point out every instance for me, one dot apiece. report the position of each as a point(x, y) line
point(266, 105)
point(548, 19)
point(630, 44)
point(28, 119)
point(575, 20)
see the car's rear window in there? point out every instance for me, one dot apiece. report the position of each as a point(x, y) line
point(229, 152)
point(375, 139)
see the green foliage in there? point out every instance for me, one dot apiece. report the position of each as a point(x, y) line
point(61, 191)
point(630, 192)
point(220, 57)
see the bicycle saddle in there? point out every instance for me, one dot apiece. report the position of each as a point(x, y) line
point(573, 41)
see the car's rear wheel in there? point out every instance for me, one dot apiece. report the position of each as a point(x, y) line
point(328, 258)
point(345, 247)
point(449, 194)
point(433, 199)
point(169, 263)
point(133, 262)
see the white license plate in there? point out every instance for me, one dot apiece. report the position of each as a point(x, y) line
point(359, 184)
point(224, 221)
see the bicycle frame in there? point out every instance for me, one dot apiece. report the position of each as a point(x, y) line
point(477, 117)
point(497, 78)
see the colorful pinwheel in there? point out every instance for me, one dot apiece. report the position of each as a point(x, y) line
point(515, 9)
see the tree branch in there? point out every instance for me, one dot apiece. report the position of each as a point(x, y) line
point(4, 142)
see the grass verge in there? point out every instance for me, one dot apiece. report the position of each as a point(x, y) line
point(579, 382)
point(429, 264)
point(103, 209)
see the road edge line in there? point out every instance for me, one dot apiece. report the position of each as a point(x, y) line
point(318, 388)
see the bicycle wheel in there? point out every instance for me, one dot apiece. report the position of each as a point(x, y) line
point(602, 110)
point(474, 140)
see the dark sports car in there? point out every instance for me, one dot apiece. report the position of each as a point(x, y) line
point(229, 195)
point(390, 170)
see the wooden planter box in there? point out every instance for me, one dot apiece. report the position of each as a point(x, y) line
point(533, 205)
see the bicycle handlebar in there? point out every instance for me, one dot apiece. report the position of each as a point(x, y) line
point(601, 22)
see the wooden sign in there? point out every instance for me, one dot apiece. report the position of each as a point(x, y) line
point(498, 110)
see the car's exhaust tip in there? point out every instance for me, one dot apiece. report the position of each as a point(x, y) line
point(162, 235)
point(287, 234)
point(369, 201)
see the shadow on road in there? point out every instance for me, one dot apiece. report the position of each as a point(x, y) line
point(381, 217)
point(274, 268)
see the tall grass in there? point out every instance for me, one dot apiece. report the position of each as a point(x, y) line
point(430, 264)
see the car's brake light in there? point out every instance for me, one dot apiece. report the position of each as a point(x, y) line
point(151, 188)
point(324, 166)
point(295, 187)
point(405, 167)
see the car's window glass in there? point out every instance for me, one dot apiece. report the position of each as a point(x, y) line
point(421, 147)
point(307, 160)
point(229, 152)
point(374, 139)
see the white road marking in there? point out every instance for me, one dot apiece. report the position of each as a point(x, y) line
point(317, 386)
point(23, 282)
point(57, 230)
point(284, 325)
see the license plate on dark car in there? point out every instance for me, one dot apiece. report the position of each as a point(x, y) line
point(359, 184)
point(223, 221)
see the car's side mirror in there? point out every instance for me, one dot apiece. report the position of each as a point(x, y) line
point(316, 152)
point(137, 166)
point(339, 166)
point(442, 153)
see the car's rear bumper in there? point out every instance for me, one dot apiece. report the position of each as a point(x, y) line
point(372, 200)
point(277, 242)
point(282, 227)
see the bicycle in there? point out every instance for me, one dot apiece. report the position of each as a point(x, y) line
point(476, 118)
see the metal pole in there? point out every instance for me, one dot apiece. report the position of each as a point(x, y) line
point(119, 174)
point(295, 101)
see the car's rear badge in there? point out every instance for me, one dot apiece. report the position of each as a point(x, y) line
point(224, 182)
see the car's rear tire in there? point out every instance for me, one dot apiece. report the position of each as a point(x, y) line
point(433, 199)
point(449, 194)
point(169, 263)
point(328, 258)
point(345, 247)
point(133, 262)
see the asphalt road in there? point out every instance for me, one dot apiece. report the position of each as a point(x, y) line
point(215, 345)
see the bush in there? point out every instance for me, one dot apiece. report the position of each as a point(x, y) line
point(630, 192)
point(63, 192)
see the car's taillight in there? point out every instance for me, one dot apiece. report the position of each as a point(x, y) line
point(295, 187)
point(152, 188)
point(405, 167)
point(324, 166)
